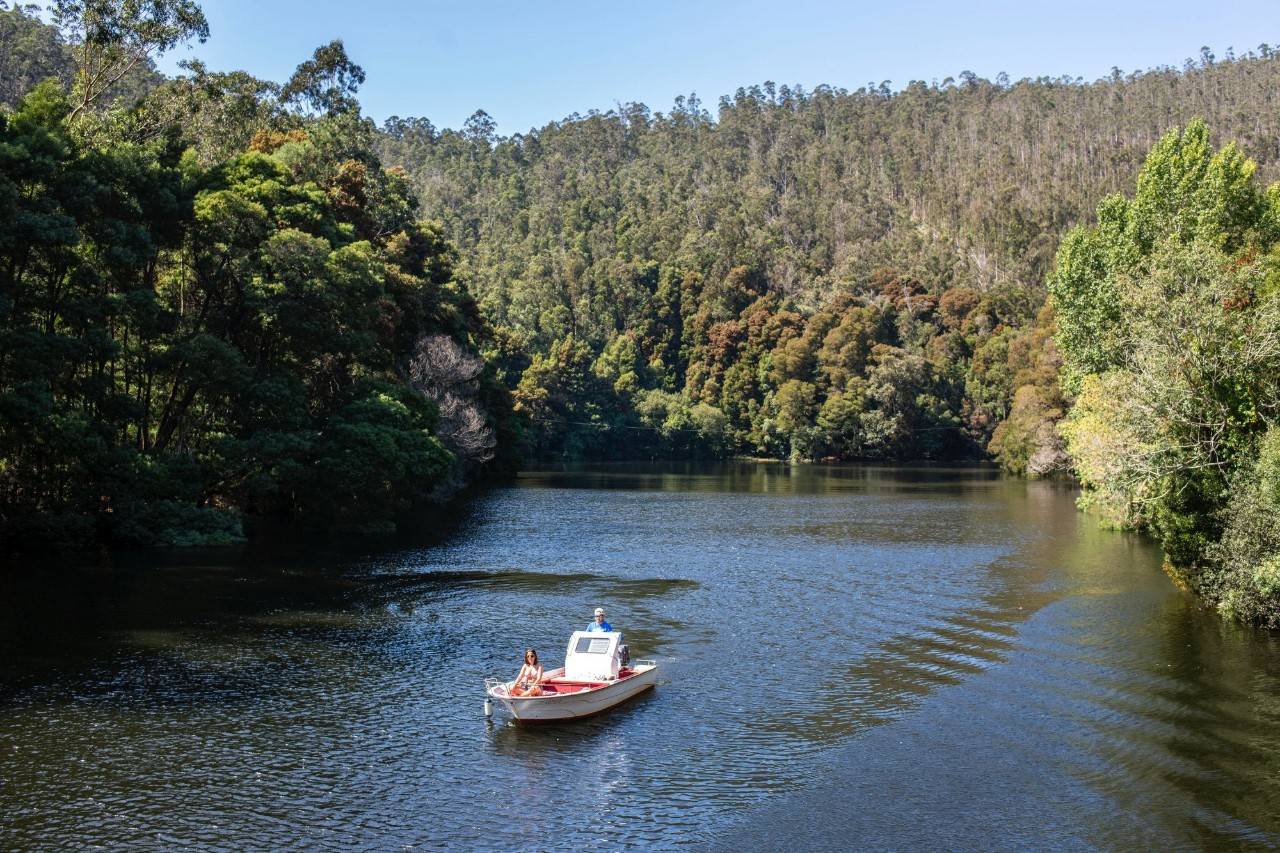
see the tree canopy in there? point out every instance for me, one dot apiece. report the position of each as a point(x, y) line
point(1169, 325)
point(192, 335)
point(857, 274)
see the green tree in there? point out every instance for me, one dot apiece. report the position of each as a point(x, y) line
point(1169, 430)
point(572, 408)
point(112, 38)
point(185, 345)
point(1186, 193)
point(325, 83)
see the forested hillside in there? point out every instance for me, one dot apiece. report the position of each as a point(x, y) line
point(825, 273)
point(32, 51)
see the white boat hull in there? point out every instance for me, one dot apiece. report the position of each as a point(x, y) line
point(551, 707)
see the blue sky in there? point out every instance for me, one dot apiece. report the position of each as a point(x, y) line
point(538, 61)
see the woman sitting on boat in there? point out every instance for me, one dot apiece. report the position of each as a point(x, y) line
point(530, 677)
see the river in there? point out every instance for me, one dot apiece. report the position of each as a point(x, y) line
point(851, 657)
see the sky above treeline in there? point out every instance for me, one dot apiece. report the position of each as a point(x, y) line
point(530, 63)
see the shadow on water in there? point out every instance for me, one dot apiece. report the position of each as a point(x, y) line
point(1214, 712)
point(899, 673)
point(1085, 703)
point(767, 477)
point(140, 608)
point(616, 587)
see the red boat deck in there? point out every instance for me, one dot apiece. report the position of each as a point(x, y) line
point(562, 685)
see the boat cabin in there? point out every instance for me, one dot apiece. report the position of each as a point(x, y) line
point(593, 656)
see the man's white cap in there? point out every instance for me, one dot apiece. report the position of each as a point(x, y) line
point(599, 611)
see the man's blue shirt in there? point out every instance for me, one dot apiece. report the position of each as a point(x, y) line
point(599, 626)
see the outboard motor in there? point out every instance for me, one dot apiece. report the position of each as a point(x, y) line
point(624, 655)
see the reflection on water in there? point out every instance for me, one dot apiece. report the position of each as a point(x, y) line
point(916, 654)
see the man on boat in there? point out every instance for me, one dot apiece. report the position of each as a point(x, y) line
point(598, 624)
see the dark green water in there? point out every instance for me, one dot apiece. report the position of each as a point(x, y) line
point(852, 658)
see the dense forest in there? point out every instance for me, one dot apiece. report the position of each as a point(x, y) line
point(804, 274)
point(217, 305)
point(230, 300)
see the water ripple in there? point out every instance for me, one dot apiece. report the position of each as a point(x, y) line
point(917, 656)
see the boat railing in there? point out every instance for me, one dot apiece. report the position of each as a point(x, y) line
point(643, 662)
point(491, 684)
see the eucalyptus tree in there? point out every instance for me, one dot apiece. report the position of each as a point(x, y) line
point(111, 38)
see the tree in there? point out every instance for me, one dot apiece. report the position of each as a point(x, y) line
point(449, 376)
point(325, 83)
point(1027, 441)
point(572, 409)
point(1202, 380)
point(111, 38)
point(1246, 561)
point(185, 345)
point(1170, 430)
point(1186, 193)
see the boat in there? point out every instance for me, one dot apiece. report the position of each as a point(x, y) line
point(597, 675)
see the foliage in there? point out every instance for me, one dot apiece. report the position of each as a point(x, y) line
point(195, 333)
point(1244, 570)
point(327, 82)
point(112, 38)
point(1186, 194)
point(1026, 439)
point(1171, 334)
point(752, 256)
point(30, 52)
point(573, 407)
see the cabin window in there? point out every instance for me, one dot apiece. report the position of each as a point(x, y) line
point(592, 646)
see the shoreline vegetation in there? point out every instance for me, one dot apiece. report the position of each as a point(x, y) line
point(227, 299)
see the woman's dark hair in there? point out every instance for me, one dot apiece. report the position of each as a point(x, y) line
point(528, 652)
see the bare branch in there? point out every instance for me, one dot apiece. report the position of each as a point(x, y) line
point(447, 374)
